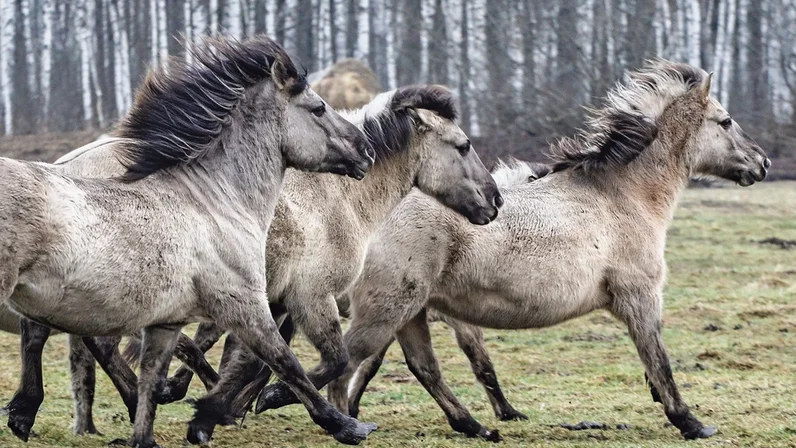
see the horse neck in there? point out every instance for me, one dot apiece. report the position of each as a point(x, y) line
point(388, 182)
point(244, 173)
point(658, 175)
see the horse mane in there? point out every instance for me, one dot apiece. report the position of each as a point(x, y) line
point(626, 124)
point(181, 109)
point(517, 172)
point(389, 119)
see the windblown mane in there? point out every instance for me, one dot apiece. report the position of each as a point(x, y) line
point(388, 120)
point(181, 110)
point(517, 172)
point(626, 124)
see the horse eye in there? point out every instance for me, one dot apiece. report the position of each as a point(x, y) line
point(319, 111)
point(726, 123)
point(464, 147)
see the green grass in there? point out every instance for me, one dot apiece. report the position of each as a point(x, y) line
point(740, 378)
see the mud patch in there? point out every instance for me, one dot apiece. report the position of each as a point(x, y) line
point(590, 336)
point(779, 242)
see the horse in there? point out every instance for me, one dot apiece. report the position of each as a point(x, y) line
point(312, 260)
point(590, 235)
point(347, 84)
point(180, 236)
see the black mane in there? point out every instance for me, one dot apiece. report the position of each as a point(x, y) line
point(180, 110)
point(391, 130)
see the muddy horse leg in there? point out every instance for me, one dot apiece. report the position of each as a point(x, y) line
point(24, 406)
point(157, 346)
point(415, 340)
point(82, 367)
point(366, 371)
point(642, 314)
point(251, 321)
point(192, 354)
point(105, 350)
point(471, 340)
point(319, 320)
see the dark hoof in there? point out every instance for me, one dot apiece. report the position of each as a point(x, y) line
point(354, 432)
point(170, 393)
point(20, 425)
point(274, 396)
point(512, 415)
point(490, 436)
point(91, 430)
point(199, 434)
point(701, 433)
point(120, 442)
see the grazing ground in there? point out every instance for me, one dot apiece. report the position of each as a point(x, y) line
point(730, 328)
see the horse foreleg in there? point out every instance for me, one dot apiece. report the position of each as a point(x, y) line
point(83, 372)
point(192, 354)
point(157, 346)
point(251, 321)
point(415, 340)
point(320, 322)
point(287, 330)
point(25, 404)
point(366, 371)
point(642, 314)
point(105, 350)
point(471, 341)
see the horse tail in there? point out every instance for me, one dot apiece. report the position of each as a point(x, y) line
point(518, 172)
point(132, 352)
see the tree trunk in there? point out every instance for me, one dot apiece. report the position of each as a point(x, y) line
point(351, 27)
point(409, 61)
point(438, 47)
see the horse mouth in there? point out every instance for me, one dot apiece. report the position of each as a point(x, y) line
point(356, 172)
point(747, 177)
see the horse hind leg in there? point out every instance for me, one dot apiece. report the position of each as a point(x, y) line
point(192, 354)
point(320, 323)
point(415, 340)
point(157, 346)
point(364, 374)
point(470, 339)
point(82, 367)
point(641, 312)
point(105, 350)
point(24, 406)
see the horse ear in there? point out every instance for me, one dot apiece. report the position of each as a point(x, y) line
point(422, 118)
point(704, 89)
point(280, 74)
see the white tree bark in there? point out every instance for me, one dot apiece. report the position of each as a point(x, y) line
point(213, 13)
point(163, 36)
point(84, 39)
point(30, 53)
point(233, 23)
point(46, 54)
point(121, 69)
point(190, 27)
point(7, 61)
point(153, 32)
point(363, 43)
point(693, 22)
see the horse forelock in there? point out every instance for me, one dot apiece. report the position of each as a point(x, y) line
point(181, 109)
point(618, 132)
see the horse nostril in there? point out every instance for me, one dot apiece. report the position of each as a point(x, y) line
point(498, 200)
point(767, 163)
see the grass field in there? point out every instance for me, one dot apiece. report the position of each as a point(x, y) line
point(729, 325)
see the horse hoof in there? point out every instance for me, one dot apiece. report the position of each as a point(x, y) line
point(700, 433)
point(119, 442)
point(170, 394)
point(490, 436)
point(512, 415)
point(20, 425)
point(354, 432)
point(274, 396)
point(198, 435)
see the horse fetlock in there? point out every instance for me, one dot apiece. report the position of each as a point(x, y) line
point(275, 396)
point(471, 428)
point(511, 414)
point(172, 390)
point(201, 427)
point(689, 426)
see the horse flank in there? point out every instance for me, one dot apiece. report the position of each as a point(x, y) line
point(181, 110)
